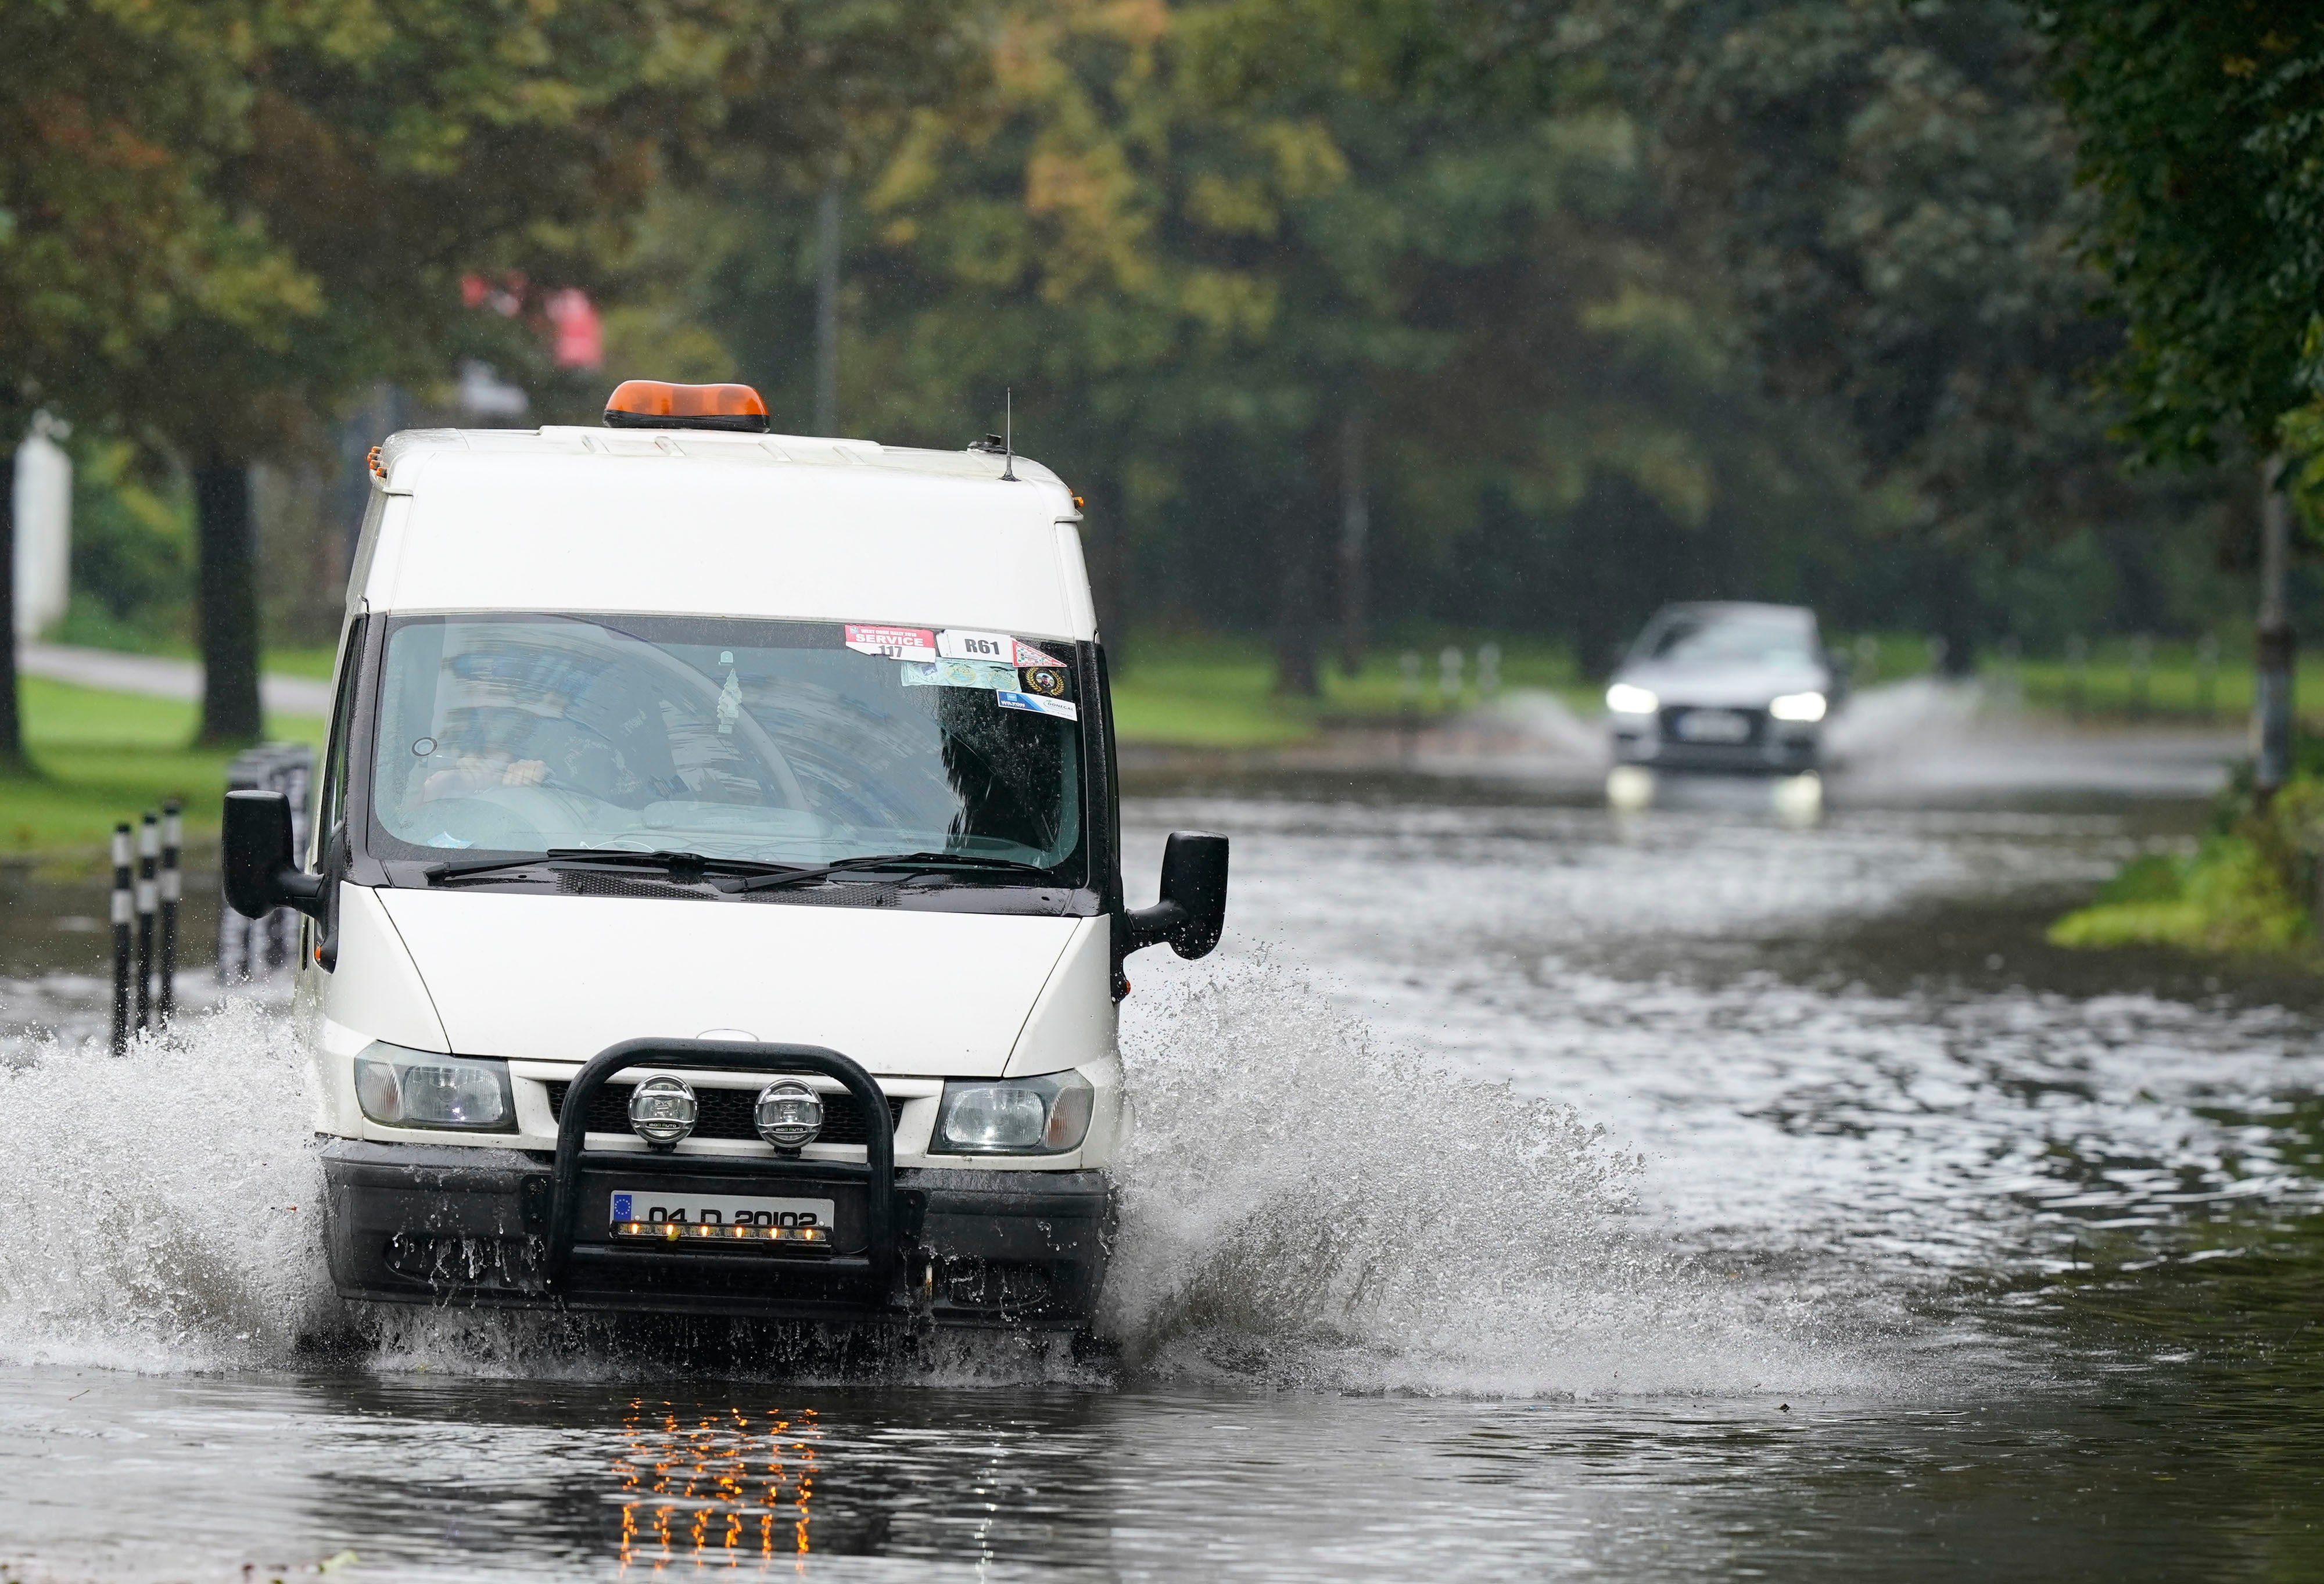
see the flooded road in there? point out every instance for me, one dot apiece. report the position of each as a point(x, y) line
point(1523, 1190)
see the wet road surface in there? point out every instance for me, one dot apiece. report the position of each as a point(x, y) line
point(1524, 1191)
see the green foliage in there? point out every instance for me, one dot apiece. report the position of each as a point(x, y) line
point(131, 548)
point(2251, 886)
point(2229, 897)
point(2201, 135)
point(1202, 241)
point(1623, 303)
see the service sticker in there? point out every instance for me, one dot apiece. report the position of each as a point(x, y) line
point(957, 644)
point(892, 643)
point(1062, 708)
point(959, 674)
point(1027, 655)
point(1047, 681)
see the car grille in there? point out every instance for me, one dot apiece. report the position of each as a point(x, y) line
point(1756, 721)
point(723, 1113)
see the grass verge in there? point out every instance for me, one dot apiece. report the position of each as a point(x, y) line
point(2250, 887)
point(1220, 693)
point(103, 757)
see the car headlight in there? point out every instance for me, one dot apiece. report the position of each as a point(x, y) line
point(1627, 698)
point(1797, 707)
point(1021, 1116)
point(419, 1089)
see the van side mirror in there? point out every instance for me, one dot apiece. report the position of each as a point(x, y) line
point(255, 852)
point(1193, 912)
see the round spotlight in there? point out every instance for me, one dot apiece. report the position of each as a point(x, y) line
point(662, 1110)
point(788, 1115)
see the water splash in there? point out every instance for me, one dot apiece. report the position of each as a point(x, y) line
point(167, 1203)
point(1302, 1207)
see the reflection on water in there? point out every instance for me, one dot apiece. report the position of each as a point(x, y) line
point(720, 1489)
point(1525, 1190)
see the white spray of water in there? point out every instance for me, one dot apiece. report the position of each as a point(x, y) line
point(1302, 1207)
point(166, 1208)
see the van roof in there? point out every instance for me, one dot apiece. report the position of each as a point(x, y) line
point(574, 440)
point(694, 521)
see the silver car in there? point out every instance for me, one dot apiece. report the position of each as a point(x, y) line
point(1724, 686)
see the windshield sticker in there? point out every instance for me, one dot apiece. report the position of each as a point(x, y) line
point(959, 674)
point(955, 644)
point(1062, 708)
point(1046, 680)
point(1027, 655)
point(446, 839)
point(892, 643)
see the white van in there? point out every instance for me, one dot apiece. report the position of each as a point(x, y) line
point(717, 904)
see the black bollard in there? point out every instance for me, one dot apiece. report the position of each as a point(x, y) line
point(149, 853)
point(121, 916)
point(174, 836)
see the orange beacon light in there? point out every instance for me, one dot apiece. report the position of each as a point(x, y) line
point(656, 404)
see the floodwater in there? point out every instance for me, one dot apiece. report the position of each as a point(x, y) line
point(1524, 1191)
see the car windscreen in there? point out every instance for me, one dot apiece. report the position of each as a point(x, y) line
point(1731, 641)
point(781, 742)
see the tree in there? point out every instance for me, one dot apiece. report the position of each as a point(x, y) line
point(218, 219)
point(2202, 139)
point(109, 224)
point(1193, 256)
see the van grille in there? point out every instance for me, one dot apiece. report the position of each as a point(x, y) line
point(723, 1113)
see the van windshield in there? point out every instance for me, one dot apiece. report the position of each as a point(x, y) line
point(774, 742)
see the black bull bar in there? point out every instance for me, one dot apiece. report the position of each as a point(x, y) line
point(878, 1264)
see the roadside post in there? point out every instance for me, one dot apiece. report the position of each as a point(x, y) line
point(1450, 666)
point(2272, 676)
point(173, 840)
point(149, 855)
point(1407, 700)
point(121, 917)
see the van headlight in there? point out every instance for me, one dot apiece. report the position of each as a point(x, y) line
point(1797, 707)
point(1018, 1116)
point(419, 1089)
point(1627, 698)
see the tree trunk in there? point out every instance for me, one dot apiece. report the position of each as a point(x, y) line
point(2272, 684)
point(12, 729)
point(1355, 530)
point(1296, 540)
point(227, 593)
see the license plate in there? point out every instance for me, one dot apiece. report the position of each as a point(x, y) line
point(720, 1217)
point(1714, 726)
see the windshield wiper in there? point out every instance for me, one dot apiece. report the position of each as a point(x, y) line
point(919, 861)
point(686, 868)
